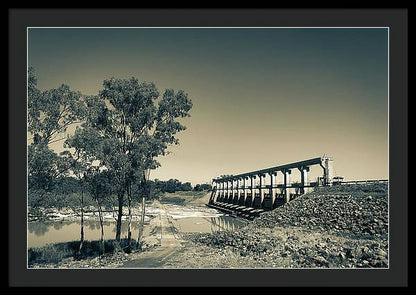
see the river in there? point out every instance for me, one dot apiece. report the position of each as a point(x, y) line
point(186, 219)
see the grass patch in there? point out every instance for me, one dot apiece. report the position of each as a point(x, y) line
point(173, 200)
point(54, 253)
point(182, 197)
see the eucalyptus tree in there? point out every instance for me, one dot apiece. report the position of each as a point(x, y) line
point(135, 126)
point(100, 187)
point(81, 158)
point(78, 169)
point(50, 113)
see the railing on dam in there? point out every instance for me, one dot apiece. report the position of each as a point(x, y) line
point(236, 193)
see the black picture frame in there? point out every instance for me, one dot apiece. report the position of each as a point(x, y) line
point(395, 19)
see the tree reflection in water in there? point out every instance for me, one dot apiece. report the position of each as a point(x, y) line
point(124, 227)
point(92, 224)
point(38, 228)
point(59, 224)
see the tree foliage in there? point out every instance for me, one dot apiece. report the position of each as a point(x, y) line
point(202, 187)
point(50, 112)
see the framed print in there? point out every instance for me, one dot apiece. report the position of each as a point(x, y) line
point(202, 147)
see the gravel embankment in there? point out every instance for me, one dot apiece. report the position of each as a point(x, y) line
point(339, 226)
point(352, 209)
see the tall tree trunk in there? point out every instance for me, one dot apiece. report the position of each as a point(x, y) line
point(100, 215)
point(120, 214)
point(81, 243)
point(141, 227)
point(129, 219)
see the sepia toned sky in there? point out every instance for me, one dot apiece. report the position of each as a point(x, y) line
point(262, 97)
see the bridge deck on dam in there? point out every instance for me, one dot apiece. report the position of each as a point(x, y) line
point(249, 194)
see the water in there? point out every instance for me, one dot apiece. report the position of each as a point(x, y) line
point(209, 224)
point(185, 219)
point(42, 233)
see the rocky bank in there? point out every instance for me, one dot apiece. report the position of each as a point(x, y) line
point(338, 227)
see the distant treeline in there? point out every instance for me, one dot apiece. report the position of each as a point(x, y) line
point(173, 185)
point(65, 192)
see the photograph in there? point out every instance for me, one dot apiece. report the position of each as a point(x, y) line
point(207, 147)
